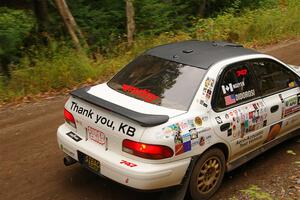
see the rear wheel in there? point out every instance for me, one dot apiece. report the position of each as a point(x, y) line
point(207, 174)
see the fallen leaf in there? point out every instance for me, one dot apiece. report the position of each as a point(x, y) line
point(297, 162)
point(293, 177)
point(291, 152)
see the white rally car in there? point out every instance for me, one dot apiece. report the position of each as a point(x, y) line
point(186, 111)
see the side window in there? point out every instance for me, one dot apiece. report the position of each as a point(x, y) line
point(272, 76)
point(237, 85)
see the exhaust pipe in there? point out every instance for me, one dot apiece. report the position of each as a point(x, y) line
point(68, 160)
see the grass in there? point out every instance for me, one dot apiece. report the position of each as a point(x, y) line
point(253, 192)
point(58, 66)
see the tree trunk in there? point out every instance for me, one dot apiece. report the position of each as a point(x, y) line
point(40, 8)
point(130, 21)
point(70, 23)
point(202, 8)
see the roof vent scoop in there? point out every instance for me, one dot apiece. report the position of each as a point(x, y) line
point(225, 44)
point(187, 50)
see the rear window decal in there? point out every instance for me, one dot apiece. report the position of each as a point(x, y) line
point(230, 99)
point(242, 72)
point(231, 87)
point(234, 98)
point(144, 94)
point(245, 95)
point(292, 84)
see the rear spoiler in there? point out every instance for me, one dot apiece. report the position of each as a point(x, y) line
point(146, 120)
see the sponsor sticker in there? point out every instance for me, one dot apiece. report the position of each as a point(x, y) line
point(144, 94)
point(291, 105)
point(245, 95)
point(127, 163)
point(74, 136)
point(186, 133)
point(242, 72)
point(207, 91)
point(273, 132)
point(198, 121)
point(242, 142)
point(96, 135)
point(202, 141)
point(231, 87)
point(246, 119)
point(230, 99)
point(219, 120)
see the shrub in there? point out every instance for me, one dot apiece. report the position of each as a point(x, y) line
point(48, 68)
point(15, 26)
point(252, 26)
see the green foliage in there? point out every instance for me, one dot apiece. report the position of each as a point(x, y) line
point(256, 193)
point(48, 68)
point(155, 16)
point(252, 26)
point(57, 66)
point(103, 22)
point(15, 26)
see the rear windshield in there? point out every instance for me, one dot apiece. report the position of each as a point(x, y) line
point(159, 81)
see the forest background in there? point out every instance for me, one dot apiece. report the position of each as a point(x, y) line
point(52, 46)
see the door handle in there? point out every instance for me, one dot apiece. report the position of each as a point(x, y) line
point(274, 108)
point(225, 127)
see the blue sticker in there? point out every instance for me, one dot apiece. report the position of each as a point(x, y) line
point(187, 146)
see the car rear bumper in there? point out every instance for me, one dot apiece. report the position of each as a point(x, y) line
point(143, 176)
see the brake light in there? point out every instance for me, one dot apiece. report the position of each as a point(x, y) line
point(69, 118)
point(149, 151)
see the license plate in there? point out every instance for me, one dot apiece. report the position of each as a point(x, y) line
point(89, 162)
point(96, 135)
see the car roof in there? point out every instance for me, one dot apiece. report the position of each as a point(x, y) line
point(200, 54)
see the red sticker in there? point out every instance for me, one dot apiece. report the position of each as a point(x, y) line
point(144, 94)
point(179, 149)
point(129, 164)
point(242, 72)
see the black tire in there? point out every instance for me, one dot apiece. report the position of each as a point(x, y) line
point(207, 174)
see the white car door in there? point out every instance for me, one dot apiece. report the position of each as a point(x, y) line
point(239, 114)
point(281, 94)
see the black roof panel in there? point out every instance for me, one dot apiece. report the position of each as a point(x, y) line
point(198, 53)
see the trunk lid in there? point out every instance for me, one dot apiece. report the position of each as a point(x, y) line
point(105, 117)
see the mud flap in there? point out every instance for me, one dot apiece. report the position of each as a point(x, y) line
point(179, 192)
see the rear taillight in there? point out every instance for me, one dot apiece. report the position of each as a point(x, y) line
point(149, 151)
point(69, 118)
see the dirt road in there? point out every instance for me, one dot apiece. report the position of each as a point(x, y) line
point(31, 164)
